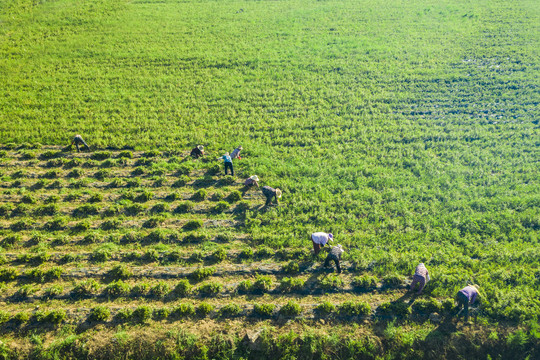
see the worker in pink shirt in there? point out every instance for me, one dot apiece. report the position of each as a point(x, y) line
point(319, 240)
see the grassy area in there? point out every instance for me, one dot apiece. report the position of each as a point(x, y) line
point(408, 129)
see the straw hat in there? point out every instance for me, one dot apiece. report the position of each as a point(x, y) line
point(254, 177)
point(340, 248)
point(200, 147)
point(278, 193)
point(226, 154)
point(240, 147)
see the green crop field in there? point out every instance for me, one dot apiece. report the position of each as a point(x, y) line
point(408, 129)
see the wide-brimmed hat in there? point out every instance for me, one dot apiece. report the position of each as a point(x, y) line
point(240, 147)
point(278, 193)
point(254, 177)
point(340, 248)
point(330, 237)
point(200, 147)
point(226, 154)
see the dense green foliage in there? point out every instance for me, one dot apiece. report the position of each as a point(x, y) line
point(409, 129)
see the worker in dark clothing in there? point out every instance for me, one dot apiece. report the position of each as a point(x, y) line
point(78, 140)
point(334, 255)
point(271, 193)
point(197, 151)
point(465, 297)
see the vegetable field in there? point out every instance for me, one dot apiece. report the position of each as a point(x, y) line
point(408, 129)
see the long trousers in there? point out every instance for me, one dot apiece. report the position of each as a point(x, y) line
point(228, 165)
point(336, 261)
point(463, 301)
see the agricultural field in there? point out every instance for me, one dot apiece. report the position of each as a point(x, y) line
point(408, 129)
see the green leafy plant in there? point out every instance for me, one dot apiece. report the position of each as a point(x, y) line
point(263, 283)
point(184, 208)
point(292, 308)
point(161, 313)
point(289, 284)
point(220, 207)
point(245, 286)
point(325, 308)
point(117, 288)
point(291, 267)
point(230, 310)
point(219, 255)
point(203, 309)
point(99, 314)
point(364, 283)
point(199, 195)
point(193, 225)
point(183, 310)
point(210, 288)
point(395, 308)
point(352, 308)
point(160, 289)
point(332, 282)
point(141, 314)
point(202, 273)
point(182, 288)
point(264, 310)
point(234, 196)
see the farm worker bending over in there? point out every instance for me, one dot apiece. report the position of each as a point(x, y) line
point(197, 151)
point(236, 153)
point(227, 161)
point(319, 240)
point(466, 296)
point(252, 181)
point(78, 140)
point(271, 193)
point(421, 276)
point(334, 255)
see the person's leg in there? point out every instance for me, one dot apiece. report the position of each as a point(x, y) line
point(337, 266)
point(77, 145)
point(268, 200)
point(226, 167)
point(462, 301)
point(85, 144)
point(232, 169)
point(414, 282)
point(466, 307)
point(316, 247)
point(422, 282)
point(327, 261)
